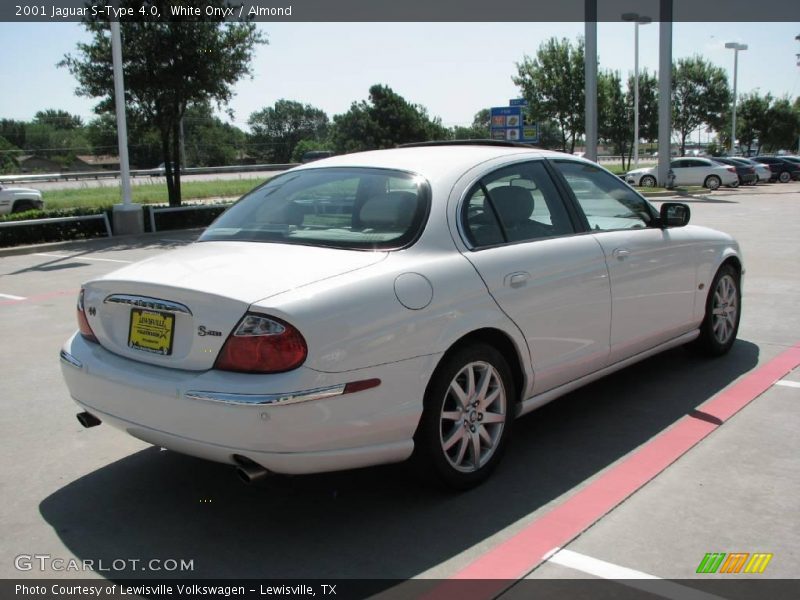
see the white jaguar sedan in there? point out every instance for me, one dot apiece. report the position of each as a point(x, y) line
point(365, 308)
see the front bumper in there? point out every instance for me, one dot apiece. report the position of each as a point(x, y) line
point(303, 435)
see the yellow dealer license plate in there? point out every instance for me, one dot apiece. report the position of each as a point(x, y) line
point(151, 331)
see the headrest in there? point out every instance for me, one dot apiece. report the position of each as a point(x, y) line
point(393, 210)
point(514, 204)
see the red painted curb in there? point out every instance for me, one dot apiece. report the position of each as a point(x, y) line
point(512, 559)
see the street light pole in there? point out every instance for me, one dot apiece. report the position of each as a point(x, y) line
point(736, 48)
point(638, 20)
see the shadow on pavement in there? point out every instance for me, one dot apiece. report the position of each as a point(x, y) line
point(379, 522)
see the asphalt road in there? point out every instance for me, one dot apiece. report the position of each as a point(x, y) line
point(98, 494)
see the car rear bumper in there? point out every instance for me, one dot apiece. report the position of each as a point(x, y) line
point(324, 433)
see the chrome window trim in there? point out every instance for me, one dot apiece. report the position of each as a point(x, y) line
point(147, 302)
point(268, 399)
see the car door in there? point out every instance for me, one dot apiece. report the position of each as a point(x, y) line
point(552, 283)
point(652, 270)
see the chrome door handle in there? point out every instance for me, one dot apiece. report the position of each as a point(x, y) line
point(518, 279)
point(621, 253)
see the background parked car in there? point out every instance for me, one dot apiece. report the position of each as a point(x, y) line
point(746, 173)
point(783, 169)
point(19, 199)
point(689, 171)
point(763, 172)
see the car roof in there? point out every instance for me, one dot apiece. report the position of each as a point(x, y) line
point(433, 161)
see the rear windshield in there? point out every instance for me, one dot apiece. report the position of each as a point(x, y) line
point(341, 207)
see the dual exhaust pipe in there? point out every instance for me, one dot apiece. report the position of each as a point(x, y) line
point(247, 470)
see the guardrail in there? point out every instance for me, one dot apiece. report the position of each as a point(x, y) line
point(102, 216)
point(33, 177)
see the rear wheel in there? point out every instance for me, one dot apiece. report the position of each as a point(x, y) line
point(712, 182)
point(647, 181)
point(785, 177)
point(723, 311)
point(735, 184)
point(467, 416)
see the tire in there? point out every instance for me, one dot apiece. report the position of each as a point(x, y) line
point(22, 206)
point(712, 182)
point(785, 177)
point(734, 184)
point(647, 181)
point(457, 442)
point(723, 312)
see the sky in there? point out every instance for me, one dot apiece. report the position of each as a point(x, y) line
point(453, 69)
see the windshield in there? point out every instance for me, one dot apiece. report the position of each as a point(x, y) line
point(341, 207)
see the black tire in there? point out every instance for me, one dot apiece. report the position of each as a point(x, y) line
point(464, 424)
point(735, 184)
point(22, 206)
point(784, 177)
point(712, 182)
point(720, 325)
point(647, 181)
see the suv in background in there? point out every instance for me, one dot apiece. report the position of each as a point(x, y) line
point(313, 155)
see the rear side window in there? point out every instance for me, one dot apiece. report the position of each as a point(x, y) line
point(345, 207)
point(607, 203)
point(514, 204)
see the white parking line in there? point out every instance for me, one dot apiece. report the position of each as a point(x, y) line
point(787, 383)
point(629, 577)
point(12, 297)
point(79, 257)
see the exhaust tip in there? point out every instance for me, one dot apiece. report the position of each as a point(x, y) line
point(88, 420)
point(249, 471)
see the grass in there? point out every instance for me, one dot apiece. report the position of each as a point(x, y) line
point(147, 193)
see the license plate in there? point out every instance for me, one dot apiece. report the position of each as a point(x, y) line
point(151, 331)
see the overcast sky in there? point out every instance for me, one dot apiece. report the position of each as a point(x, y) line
point(453, 69)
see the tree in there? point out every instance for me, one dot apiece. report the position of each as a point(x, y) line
point(58, 119)
point(752, 120)
point(784, 125)
point(553, 85)
point(168, 65)
point(648, 104)
point(479, 130)
point(385, 121)
point(307, 146)
point(615, 114)
point(700, 96)
point(277, 130)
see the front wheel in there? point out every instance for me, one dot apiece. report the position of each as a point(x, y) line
point(467, 416)
point(734, 184)
point(712, 182)
point(723, 311)
point(647, 181)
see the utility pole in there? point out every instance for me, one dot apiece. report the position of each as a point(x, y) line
point(664, 91)
point(590, 66)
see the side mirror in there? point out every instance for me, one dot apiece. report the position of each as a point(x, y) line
point(674, 214)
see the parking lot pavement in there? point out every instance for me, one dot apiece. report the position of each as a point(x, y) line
point(101, 495)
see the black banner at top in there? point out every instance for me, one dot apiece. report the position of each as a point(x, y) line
point(405, 11)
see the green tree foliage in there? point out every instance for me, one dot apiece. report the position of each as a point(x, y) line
point(276, 130)
point(752, 121)
point(168, 66)
point(615, 114)
point(13, 131)
point(8, 154)
point(648, 104)
point(784, 126)
point(208, 141)
point(479, 130)
point(553, 85)
point(700, 96)
point(57, 119)
point(384, 121)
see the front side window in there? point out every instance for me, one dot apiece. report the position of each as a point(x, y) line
point(341, 207)
point(514, 204)
point(607, 203)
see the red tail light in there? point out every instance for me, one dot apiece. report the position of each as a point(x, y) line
point(262, 344)
point(83, 322)
point(731, 169)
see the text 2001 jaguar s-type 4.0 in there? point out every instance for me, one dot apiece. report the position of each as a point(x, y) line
point(368, 307)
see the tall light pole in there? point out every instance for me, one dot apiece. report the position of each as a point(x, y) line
point(638, 20)
point(736, 48)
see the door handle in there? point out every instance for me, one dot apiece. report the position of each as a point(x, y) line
point(621, 253)
point(517, 279)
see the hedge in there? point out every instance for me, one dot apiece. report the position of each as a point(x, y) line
point(91, 228)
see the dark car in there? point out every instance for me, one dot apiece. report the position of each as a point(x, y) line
point(747, 173)
point(782, 169)
point(313, 155)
